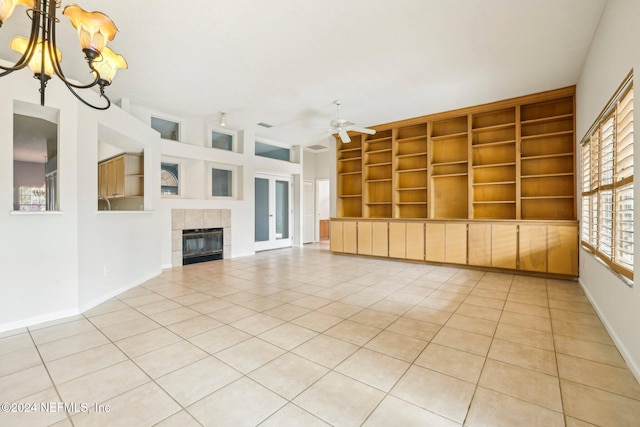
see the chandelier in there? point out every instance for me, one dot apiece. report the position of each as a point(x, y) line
point(42, 55)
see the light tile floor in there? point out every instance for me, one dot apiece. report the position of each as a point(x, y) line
point(301, 337)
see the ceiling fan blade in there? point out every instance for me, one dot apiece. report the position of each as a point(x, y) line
point(344, 136)
point(363, 130)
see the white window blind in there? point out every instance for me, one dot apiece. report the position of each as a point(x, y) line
point(607, 183)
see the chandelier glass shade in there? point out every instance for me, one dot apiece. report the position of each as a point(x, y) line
point(43, 57)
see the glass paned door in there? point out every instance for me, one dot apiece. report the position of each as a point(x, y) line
point(272, 212)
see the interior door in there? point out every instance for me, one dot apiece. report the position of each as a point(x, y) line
point(273, 212)
point(309, 213)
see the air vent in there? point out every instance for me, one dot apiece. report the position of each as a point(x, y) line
point(317, 147)
point(265, 125)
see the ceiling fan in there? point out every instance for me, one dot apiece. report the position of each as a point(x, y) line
point(341, 126)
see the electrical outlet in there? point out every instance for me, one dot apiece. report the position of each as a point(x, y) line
point(105, 271)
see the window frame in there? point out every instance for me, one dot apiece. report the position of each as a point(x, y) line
point(232, 185)
point(606, 181)
point(177, 176)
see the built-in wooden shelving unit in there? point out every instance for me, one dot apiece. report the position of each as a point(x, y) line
point(509, 160)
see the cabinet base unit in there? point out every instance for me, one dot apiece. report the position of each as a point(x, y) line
point(546, 248)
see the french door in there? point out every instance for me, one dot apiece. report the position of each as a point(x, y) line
point(273, 212)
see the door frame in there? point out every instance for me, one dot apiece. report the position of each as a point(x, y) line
point(274, 243)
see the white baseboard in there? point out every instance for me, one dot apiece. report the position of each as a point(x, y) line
point(626, 354)
point(22, 323)
point(35, 320)
point(89, 305)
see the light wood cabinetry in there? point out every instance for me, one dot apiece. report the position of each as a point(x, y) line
point(378, 162)
point(547, 247)
point(511, 159)
point(547, 159)
point(335, 237)
point(486, 186)
point(504, 246)
point(563, 250)
point(533, 248)
point(349, 169)
point(397, 240)
point(350, 237)
point(410, 166)
point(121, 176)
point(449, 168)
point(479, 241)
point(455, 246)
point(380, 239)
point(434, 241)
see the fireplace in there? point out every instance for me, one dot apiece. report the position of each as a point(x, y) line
point(201, 245)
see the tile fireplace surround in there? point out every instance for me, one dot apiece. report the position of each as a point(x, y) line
point(188, 219)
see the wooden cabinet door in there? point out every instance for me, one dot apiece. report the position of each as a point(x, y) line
point(504, 245)
point(397, 240)
point(102, 180)
point(119, 178)
point(110, 169)
point(350, 237)
point(434, 242)
point(415, 240)
point(380, 239)
point(480, 245)
point(456, 243)
point(533, 248)
point(336, 236)
point(365, 237)
point(562, 241)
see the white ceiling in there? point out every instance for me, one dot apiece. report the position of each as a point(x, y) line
point(283, 62)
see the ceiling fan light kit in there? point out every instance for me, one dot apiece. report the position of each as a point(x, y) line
point(342, 127)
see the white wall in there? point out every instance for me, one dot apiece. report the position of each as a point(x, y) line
point(195, 157)
point(51, 263)
point(614, 52)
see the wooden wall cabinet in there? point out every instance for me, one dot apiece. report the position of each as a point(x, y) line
point(486, 186)
point(121, 176)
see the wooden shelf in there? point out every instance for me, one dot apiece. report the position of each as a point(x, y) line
point(411, 189)
point(547, 119)
point(494, 144)
point(494, 183)
point(510, 160)
point(405, 156)
point(545, 197)
point(493, 202)
point(411, 170)
point(453, 135)
point(411, 139)
point(373, 139)
point(385, 150)
point(494, 127)
point(493, 165)
point(545, 135)
point(547, 156)
point(348, 150)
point(549, 175)
point(457, 162)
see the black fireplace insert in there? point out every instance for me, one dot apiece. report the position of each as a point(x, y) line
point(201, 245)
